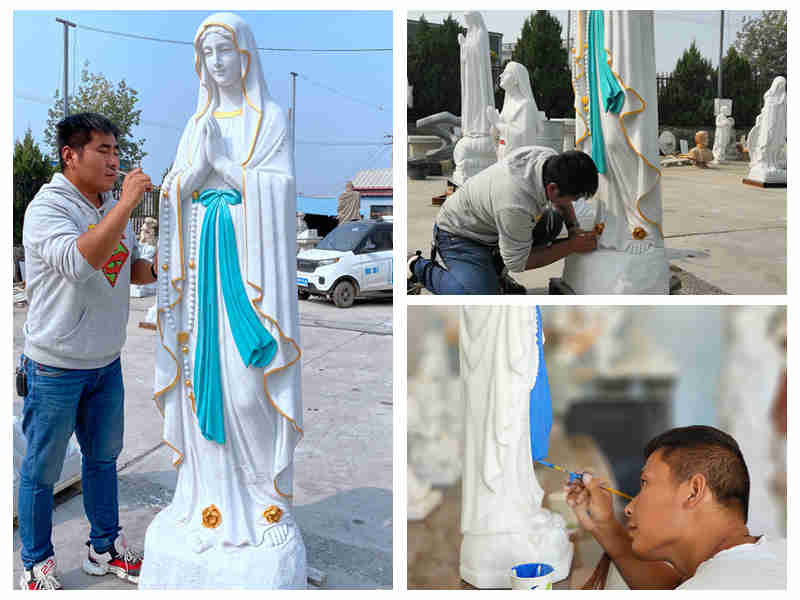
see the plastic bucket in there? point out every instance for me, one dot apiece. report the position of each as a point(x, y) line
point(532, 576)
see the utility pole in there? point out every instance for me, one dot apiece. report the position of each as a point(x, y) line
point(293, 110)
point(721, 33)
point(67, 25)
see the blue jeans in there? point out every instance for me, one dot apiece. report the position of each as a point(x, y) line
point(59, 402)
point(472, 267)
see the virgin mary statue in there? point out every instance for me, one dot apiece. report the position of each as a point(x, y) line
point(227, 366)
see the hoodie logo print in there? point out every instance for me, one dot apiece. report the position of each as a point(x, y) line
point(114, 264)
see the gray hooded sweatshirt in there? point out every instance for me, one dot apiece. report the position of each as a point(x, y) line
point(499, 205)
point(77, 316)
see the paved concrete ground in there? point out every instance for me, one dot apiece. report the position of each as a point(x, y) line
point(722, 235)
point(343, 466)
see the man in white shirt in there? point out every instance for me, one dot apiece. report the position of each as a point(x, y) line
point(686, 528)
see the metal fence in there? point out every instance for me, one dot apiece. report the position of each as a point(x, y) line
point(148, 207)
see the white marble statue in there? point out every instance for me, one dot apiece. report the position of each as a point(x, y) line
point(520, 122)
point(766, 142)
point(475, 150)
point(422, 498)
point(227, 365)
point(435, 415)
point(749, 382)
point(722, 134)
point(502, 518)
point(614, 76)
point(148, 245)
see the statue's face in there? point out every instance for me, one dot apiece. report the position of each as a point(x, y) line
point(222, 59)
point(507, 78)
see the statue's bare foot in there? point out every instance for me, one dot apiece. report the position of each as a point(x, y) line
point(278, 535)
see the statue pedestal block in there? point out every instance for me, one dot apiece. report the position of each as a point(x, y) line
point(765, 178)
point(171, 561)
point(605, 271)
point(472, 154)
point(486, 560)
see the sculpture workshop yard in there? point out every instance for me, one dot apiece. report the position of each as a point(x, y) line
point(343, 466)
point(725, 236)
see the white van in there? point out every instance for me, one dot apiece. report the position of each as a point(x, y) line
point(354, 260)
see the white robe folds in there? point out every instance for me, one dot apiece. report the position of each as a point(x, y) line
point(252, 470)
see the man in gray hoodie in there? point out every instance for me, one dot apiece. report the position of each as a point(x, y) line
point(81, 257)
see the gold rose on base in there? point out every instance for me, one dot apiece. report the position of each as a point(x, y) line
point(211, 517)
point(273, 514)
point(639, 233)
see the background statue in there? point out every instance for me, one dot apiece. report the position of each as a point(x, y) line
point(349, 204)
point(700, 155)
point(767, 140)
point(227, 366)
point(722, 133)
point(475, 150)
point(614, 77)
point(520, 122)
point(502, 518)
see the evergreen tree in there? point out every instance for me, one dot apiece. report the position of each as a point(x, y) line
point(434, 59)
point(32, 169)
point(688, 99)
point(541, 51)
point(116, 103)
point(738, 84)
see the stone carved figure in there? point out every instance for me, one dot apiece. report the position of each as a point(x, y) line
point(475, 150)
point(749, 381)
point(227, 366)
point(349, 204)
point(722, 133)
point(613, 70)
point(700, 155)
point(766, 142)
point(435, 415)
point(520, 122)
point(502, 518)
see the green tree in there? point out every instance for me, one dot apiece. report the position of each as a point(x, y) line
point(688, 98)
point(434, 68)
point(117, 102)
point(32, 169)
point(738, 83)
point(762, 41)
point(540, 50)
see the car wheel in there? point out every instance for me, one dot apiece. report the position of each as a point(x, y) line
point(303, 294)
point(344, 294)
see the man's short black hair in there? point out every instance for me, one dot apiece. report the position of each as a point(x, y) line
point(76, 130)
point(574, 172)
point(710, 452)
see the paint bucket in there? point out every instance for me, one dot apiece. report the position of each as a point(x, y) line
point(532, 576)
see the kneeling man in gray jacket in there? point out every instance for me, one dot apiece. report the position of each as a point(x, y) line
point(80, 257)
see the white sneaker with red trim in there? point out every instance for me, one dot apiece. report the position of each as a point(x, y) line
point(119, 560)
point(41, 577)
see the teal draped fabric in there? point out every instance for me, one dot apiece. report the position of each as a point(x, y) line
point(611, 93)
point(255, 345)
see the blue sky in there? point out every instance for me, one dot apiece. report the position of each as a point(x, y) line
point(344, 100)
point(675, 29)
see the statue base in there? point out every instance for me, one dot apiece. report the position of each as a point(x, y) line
point(171, 562)
point(606, 271)
point(761, 177)
point(486, 560)
point(472, 154)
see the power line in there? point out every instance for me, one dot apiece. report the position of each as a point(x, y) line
point(335, 91)
point(183, 43)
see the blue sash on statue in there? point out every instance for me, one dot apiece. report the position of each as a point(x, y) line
point(610, 91)
point(255, 344)
point(541, 407)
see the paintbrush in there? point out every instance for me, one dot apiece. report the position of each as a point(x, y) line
point(573, 476)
